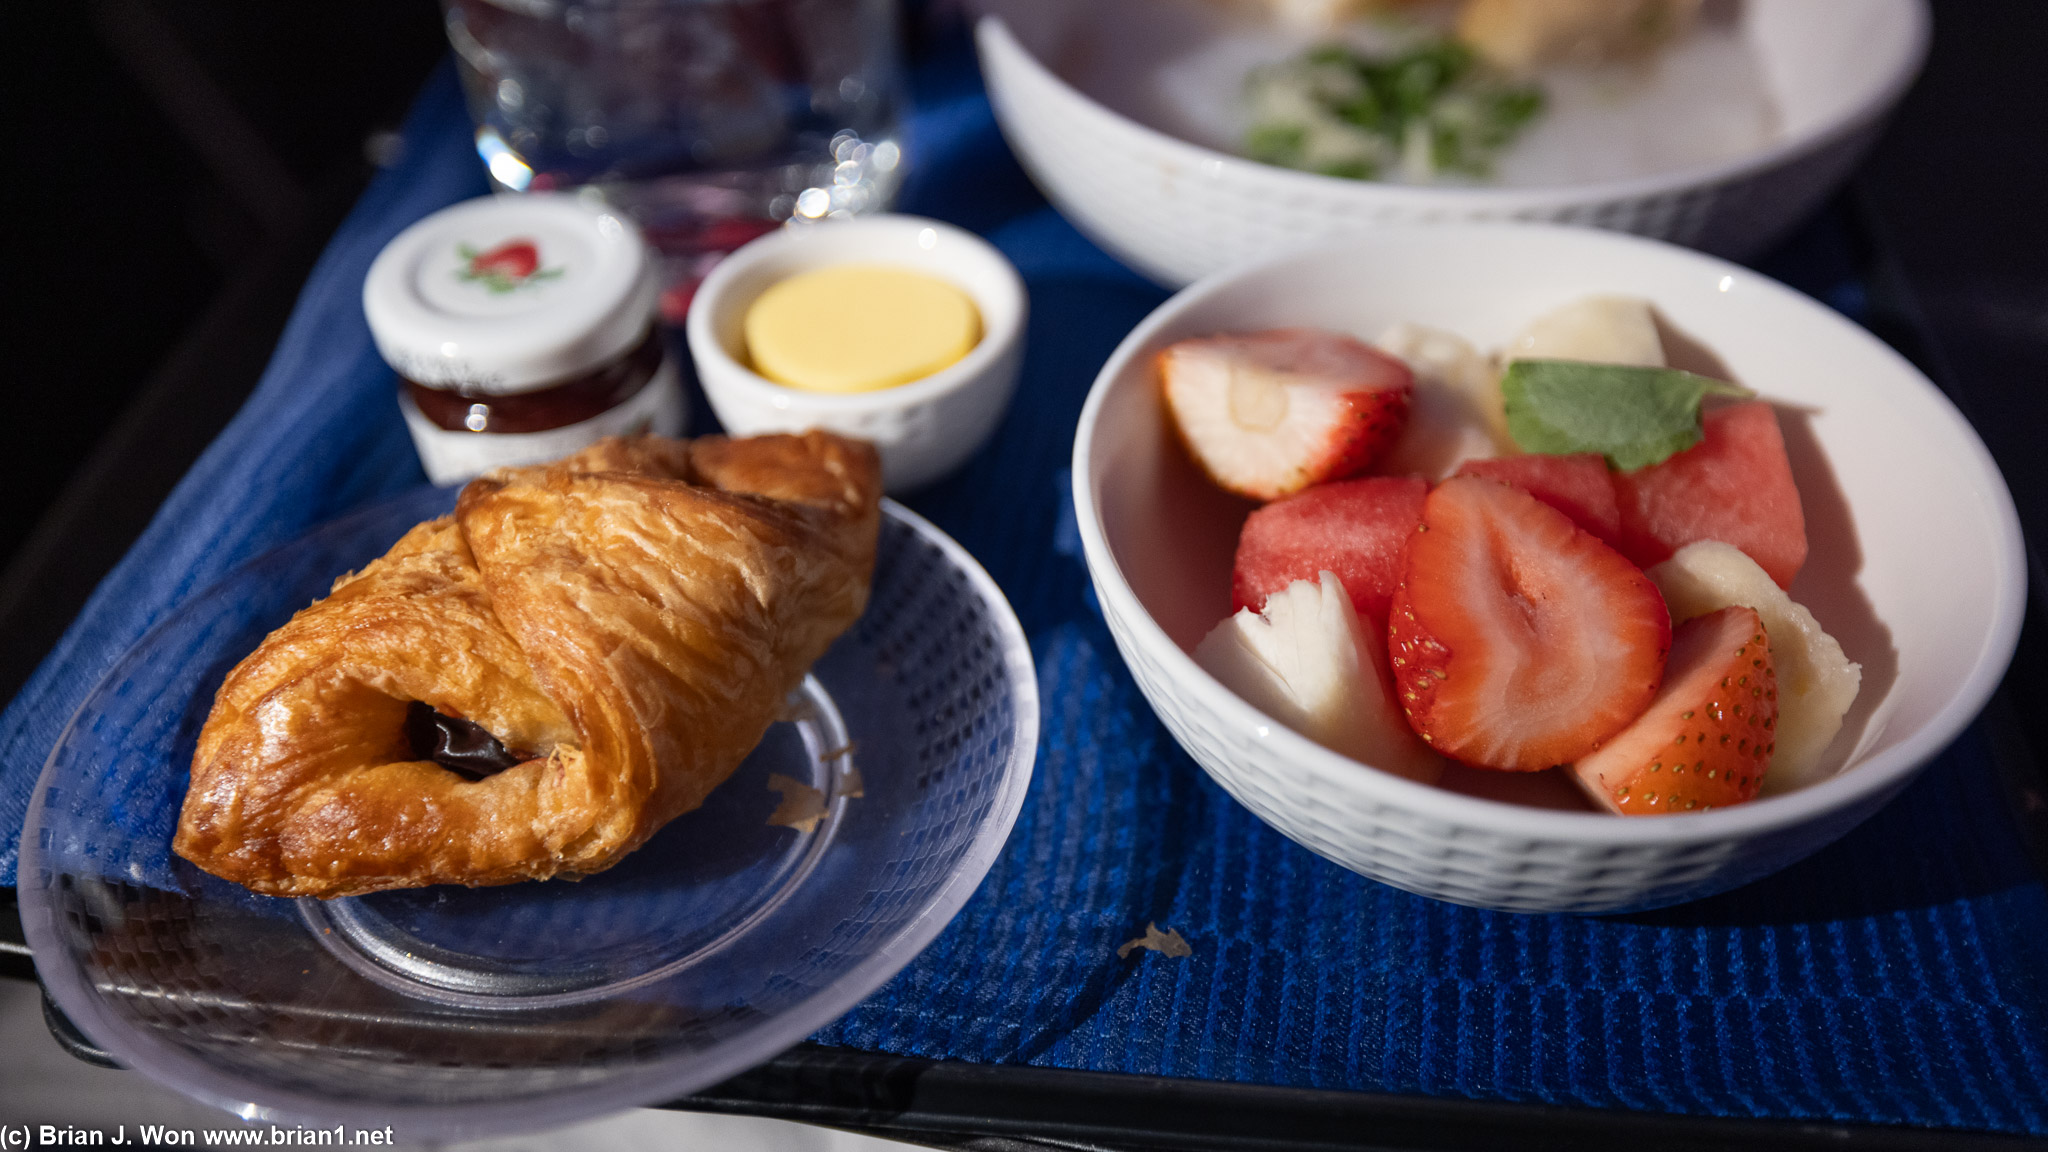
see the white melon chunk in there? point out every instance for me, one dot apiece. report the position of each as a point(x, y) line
point(1308, 663)
point(1315, 15)
point(1600, 329)
point(1816, 682)
point(1455, 413)
point(1524, 35)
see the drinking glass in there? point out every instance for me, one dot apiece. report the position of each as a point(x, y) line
point(710, 121)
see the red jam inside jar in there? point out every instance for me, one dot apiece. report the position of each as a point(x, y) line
point(559, 405)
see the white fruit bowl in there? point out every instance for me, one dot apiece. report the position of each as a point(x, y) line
point(1916, 565)
point(1124, 138)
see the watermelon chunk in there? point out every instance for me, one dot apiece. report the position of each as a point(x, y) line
point(1576, 485)
point(1354, 528)
point(1734, 486)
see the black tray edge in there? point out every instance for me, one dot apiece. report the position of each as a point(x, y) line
point(935, 1102)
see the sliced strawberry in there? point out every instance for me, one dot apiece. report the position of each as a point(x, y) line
point(1354, 528)
point(516, 259)
point(1270, 413)
point(1519, 641)
point(1578, 486)
point(1707, 738)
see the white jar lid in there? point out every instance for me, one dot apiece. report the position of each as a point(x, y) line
point(510, 293)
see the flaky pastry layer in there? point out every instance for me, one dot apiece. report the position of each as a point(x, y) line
point(633, 617)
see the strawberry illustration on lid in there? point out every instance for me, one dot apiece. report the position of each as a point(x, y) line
point(510, 266)
point(506, 294)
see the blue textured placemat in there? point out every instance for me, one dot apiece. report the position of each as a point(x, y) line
point(1900, 976)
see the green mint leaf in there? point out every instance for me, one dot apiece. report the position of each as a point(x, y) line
point(1432, 108)
point(1634, 416)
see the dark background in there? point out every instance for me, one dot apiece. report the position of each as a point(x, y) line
point(175, 167)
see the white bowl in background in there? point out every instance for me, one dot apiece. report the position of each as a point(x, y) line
point(1916, 565)
point(1176, 210)
point(923, 429)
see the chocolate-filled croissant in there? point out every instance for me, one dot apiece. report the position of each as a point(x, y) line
point(624, 624)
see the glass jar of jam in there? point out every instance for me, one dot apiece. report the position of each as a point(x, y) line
point(522, 328)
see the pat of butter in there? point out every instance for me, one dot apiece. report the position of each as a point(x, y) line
point(859, 327)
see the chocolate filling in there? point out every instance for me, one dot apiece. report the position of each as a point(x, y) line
point(458, 745)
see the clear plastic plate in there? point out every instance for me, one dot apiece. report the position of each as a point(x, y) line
point(737, 931)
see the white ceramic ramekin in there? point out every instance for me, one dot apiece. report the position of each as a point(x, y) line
point(1916, 565)
point(1176, 211)
point(923, 429)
